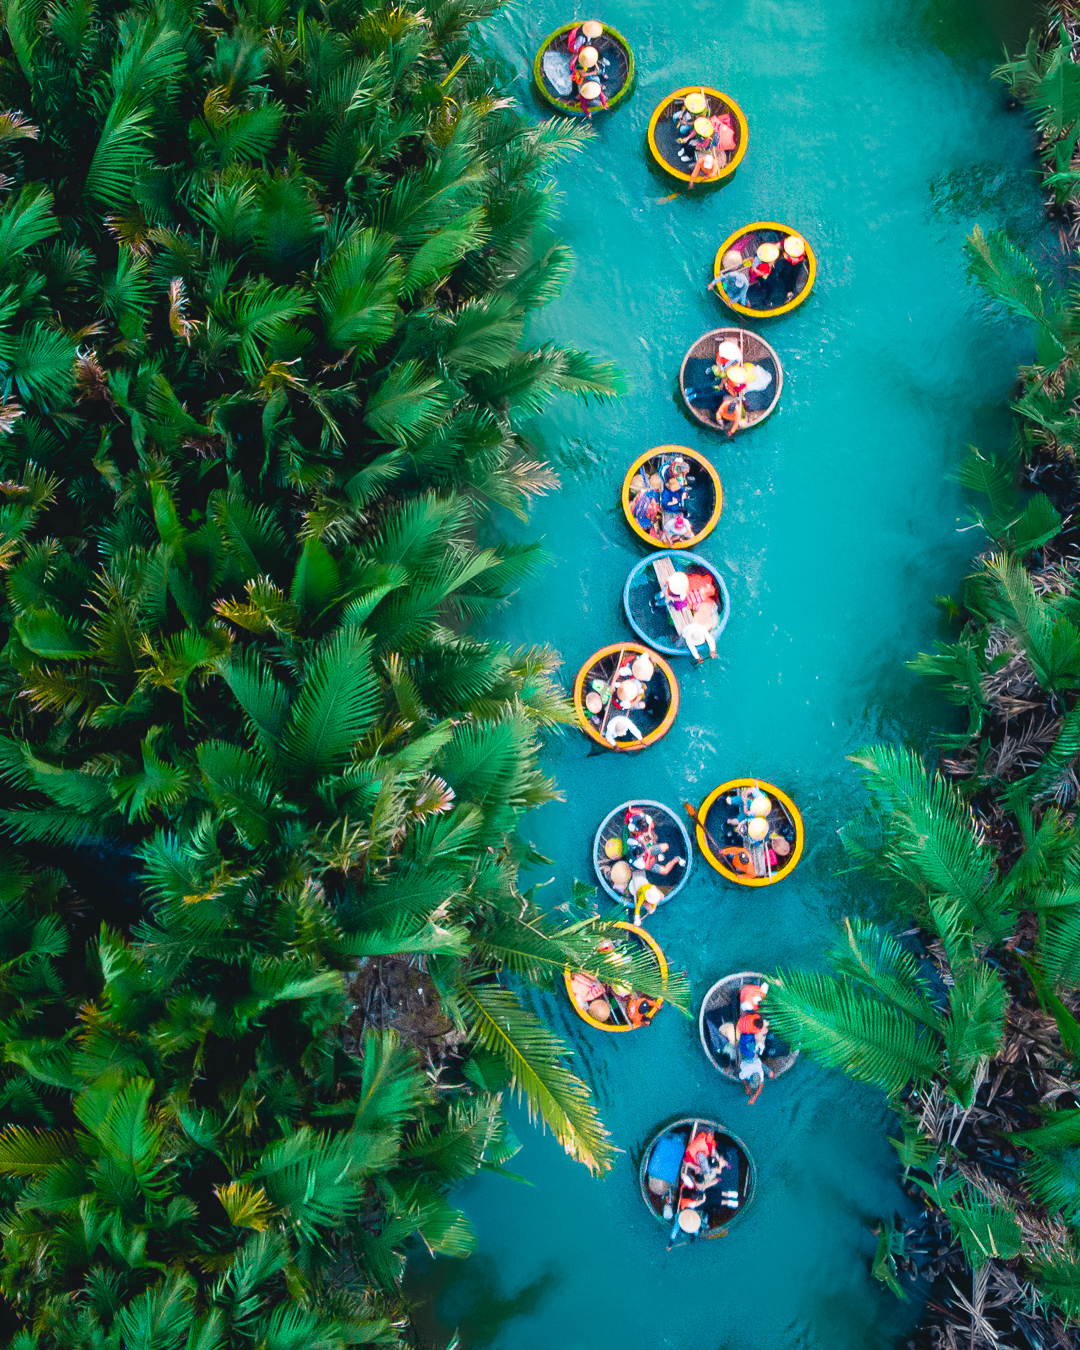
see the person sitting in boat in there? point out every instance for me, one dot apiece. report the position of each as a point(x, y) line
point(706, 166)
point(584, 990)
point(696, 636)
point(677, 529)
point(684, 113)
point(584, 65)
point(591, 97)
point(629, 694)
point(649, 858)
point(728, 354)
point(786, 274)
point(761, 270)
point(749, 801)
point(642, 669)
point(583, 34)
point(644, 502)
point(647, 897)
point(640, 1010)
point(673, 498)
point(751, 997)
point(733, 279)
point(639, 824)
point(620, 876)
point(674, 592)
point(700, 1146)
point(618, 726)
point(732, 410)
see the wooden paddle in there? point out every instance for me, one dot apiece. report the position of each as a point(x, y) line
point(611, 687)
point(691, 811)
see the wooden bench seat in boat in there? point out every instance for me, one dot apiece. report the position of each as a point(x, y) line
point(664, 568)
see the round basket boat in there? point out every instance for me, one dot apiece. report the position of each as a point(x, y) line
point(661, 1165)
point(672, 840)
point(641, 498)
point(623, 1014)
point(551, 70)
point(788, 284)
point(664, 133)
point(598, 675)
point(699, 383)
point(656, 622)
point(720, 1005)
point(729, 851)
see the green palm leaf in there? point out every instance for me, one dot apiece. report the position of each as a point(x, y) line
point(533, 1056)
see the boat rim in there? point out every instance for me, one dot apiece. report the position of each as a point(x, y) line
point(642, 801)
point(725, 1069)
point(616, 98)
point(657, 951)
point(698, 458)
point(647, 561)
point(740, 117)
point(653, 736)
point(770, 789)
point(811, 259)
point(734, 329)
point(718, 1127)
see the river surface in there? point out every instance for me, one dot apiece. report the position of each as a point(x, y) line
point(876, 132)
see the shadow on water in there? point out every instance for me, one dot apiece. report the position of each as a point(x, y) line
point(467, 1297)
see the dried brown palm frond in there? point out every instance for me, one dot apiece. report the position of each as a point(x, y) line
point(1022, 752)
point(1055, 580)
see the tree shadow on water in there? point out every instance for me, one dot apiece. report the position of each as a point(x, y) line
point(446, 1295)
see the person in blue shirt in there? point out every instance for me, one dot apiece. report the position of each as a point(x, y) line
point(673, 497)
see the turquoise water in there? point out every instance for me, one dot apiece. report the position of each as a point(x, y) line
point(875, 131)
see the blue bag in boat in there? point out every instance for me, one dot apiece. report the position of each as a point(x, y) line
point(666, 1159)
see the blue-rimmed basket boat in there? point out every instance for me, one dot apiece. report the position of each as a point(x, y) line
point(669, 829)
point(651, 619)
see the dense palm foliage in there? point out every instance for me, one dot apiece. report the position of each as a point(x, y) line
point(961, 1004)
point(265, 272)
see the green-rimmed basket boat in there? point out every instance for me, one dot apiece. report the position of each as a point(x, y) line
point(616, 79)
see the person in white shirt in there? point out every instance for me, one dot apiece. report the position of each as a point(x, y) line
point(696, 635)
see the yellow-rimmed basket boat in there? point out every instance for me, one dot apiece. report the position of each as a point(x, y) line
point(551, 71)
point(661, 697)
point(731, 853)
point(790, 288)
point(700, 387)
point(623, 1015)
point(720, 1005)
point(664, 135)
point(641, 502)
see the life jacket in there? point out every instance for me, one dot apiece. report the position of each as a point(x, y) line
point(750, 996)
point(702, 1142)
point(640, 1010)
point(702, 588)
point(739, 860)
point(746, 1026)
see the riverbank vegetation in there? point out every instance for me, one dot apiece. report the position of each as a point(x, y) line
point(264, 275)
point(963, 1006)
